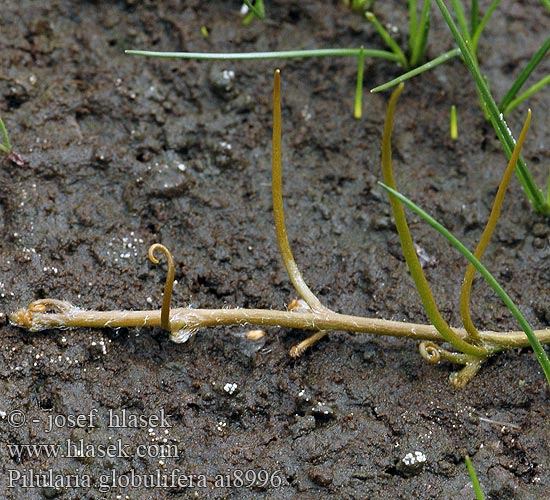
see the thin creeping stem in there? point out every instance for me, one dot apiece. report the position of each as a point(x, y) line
point(168, 285)
point(465, 314)
point(66, 315)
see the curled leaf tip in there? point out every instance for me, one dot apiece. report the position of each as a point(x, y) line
point(167, 294)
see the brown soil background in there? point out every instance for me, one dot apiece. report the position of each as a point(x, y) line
point(105, 135)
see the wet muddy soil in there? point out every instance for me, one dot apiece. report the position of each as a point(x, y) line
point(121, 152)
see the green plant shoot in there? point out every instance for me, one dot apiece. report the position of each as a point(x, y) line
point(487, 233)
point(473, 477)
point(511, 99)
point(256, 10)
point(454, 124)
point(6, 147)
point(358, 105)
point(407, 244)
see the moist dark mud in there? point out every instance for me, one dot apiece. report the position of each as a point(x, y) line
point(121, 152)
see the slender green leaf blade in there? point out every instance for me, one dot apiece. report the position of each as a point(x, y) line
point(522, 77)
point(417, 71)
point(284, 54)
point(473, 477)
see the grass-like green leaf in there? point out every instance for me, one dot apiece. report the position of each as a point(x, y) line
point(417, 43)
point(473, 477)
point(413, 22)
point(390, 42)
point(528, 93)
point(283, 54)
point(474, 16)
point(6, 147)
point(408, 249)
point(417, 71)
point(458, 9)
point(495, 116)
point(358, 105)
point(360, 53)
point(510, 96)
point(476, 34)
point(455, 242)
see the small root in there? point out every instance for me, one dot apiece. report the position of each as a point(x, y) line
point(297, 350)
point(462, 377)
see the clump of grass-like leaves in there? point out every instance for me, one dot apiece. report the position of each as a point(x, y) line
point(467, 33)
point(408, 58)
point(495, 115)
point(472, 347)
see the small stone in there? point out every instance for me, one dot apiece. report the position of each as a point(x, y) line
point(539, 243)
point(541, 230)
point(50, 492)
point(304, 401)
point(411, 464)
point(380, 222)
point(322, 412)
point(222, 82)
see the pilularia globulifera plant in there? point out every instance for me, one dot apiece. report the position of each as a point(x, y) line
point(470, 346)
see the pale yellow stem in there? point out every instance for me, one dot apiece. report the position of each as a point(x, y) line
point(65, 315)
point(465, 315)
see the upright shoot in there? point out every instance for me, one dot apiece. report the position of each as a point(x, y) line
point(167, 294)
point(407, 244)
point(465, 291)
point(278, 209)
point(540, 353)
point(358, 104)
point(473, 477)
